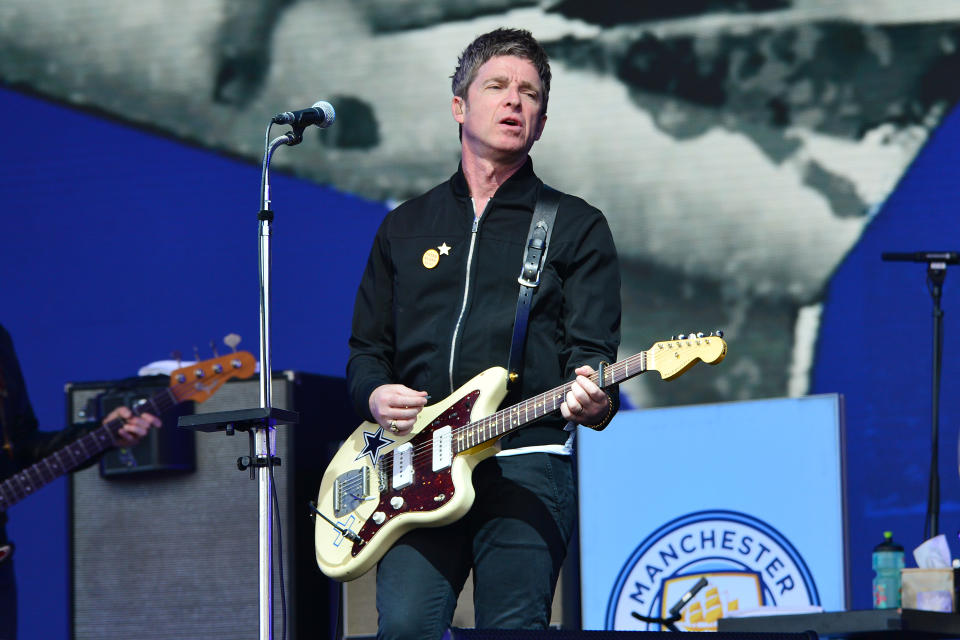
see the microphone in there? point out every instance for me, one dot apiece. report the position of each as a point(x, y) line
point(947, 257)
point(320, 114)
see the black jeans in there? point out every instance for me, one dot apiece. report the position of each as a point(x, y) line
point(514, 537)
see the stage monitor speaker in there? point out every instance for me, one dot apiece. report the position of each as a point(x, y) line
point(174, 553)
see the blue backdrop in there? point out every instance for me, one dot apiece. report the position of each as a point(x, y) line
point(119, 247)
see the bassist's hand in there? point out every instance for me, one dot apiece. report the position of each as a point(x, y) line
point(134, 427)
point(395, 407)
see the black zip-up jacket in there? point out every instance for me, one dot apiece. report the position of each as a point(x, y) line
point(438, 298)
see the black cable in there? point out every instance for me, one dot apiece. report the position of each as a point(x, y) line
point(276, 520)
point(338, 630)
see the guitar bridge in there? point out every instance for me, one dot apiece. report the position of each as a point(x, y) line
point(350, 490)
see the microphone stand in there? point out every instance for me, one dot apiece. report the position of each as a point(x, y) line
point(937, 262)
point(265, 434)
point(260, 423)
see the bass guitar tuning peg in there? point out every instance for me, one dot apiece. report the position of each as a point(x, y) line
point(213, 347)
point(232, 340)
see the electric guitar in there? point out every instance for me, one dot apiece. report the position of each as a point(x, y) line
point(196, 382)
point(379, 486)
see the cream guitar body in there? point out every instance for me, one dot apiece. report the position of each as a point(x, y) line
point(366, 480)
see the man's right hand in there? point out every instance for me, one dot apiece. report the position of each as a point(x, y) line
point(395, 407)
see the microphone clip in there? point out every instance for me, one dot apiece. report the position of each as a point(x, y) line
point(294, 136)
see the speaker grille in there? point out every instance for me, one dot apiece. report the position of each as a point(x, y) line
point(176, 556)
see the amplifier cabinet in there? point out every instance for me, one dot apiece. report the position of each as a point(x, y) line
point(171, 550)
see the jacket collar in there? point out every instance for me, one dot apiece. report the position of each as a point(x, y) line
point(520, 189)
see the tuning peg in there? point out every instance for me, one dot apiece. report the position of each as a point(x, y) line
point(681, 336)
point(176, 355)
point(196, 353)
point(718, 333)
point(232, 340)
point(213, 347)
point(699, 334)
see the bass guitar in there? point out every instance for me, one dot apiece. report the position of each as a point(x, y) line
point(379, 486)
point(196, 382)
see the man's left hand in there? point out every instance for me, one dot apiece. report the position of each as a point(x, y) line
point(586, 403)
point(134, 427)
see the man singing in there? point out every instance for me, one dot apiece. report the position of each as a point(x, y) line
point(436, 306)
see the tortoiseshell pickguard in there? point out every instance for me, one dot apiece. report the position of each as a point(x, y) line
point(428, 484)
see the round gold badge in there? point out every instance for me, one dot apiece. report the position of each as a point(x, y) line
point(430, 258)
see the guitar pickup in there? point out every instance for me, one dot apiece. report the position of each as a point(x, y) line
point(442, 448)
point(350, 489)
point(403, 466)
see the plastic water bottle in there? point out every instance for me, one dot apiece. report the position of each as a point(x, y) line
point(887, 562)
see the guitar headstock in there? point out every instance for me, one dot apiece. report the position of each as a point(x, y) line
point(201, 380)
point(673, 357)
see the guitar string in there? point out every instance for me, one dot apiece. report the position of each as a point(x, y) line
point(42, 472)
point(619, 371)
point(22, 484)
point(480, 428)
point(424, 452)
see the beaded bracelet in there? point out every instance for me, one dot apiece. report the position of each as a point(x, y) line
point(600, 426)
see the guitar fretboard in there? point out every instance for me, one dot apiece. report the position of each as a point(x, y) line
point(26, 482)
point(523, 413)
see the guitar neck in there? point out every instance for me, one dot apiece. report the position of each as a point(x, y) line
point(525, 412)
point(82, 450)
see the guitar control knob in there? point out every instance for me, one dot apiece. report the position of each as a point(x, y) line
point(379, 517)
point(396, 502)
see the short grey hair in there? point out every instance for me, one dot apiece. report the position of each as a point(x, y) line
point(501, 42)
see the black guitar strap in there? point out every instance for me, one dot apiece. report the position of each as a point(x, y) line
point(538, 239)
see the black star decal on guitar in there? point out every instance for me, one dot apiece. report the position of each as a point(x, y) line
point(374, 442)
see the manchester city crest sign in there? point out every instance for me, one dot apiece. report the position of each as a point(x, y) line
point(747, 564)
